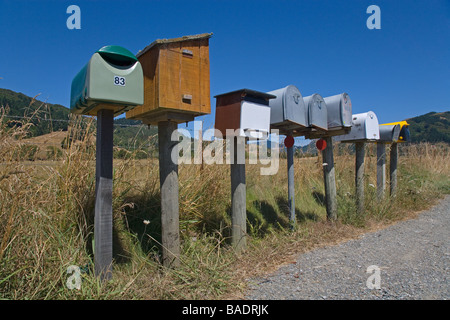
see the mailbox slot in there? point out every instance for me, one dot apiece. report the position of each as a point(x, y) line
point(364, 127)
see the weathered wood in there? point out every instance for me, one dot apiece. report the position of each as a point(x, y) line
point(291, 185)
point(168, 170)
point(329, 179)
point(359, 177)
point(381, 170)
point(103, 223)
point(176, 77)
point(238, 197)
point(393, 169)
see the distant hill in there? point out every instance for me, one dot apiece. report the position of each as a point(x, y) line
point(21, 105)
point(430, 127)
point(47, 118)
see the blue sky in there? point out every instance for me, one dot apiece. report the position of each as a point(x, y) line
point(320, 46)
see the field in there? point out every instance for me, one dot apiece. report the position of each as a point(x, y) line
point(46, 217)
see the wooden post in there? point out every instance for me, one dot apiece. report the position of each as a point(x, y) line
point(393, 169)
point(329, 179)
point(103, 221)
point(168, 171)
point(291, 186)
point(381, 170)
point(359, 178)
point(238, 196)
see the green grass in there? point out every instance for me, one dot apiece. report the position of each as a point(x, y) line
point(46, 220)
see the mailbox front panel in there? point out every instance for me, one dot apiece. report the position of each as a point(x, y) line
point(115, 85)
point(339, 111)
point(112, 79)
point(255, 120)
point(287, 110)
point(389, 133)
point(317, 112)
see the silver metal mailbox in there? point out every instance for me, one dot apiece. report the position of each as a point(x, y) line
point(317, 112)
point(339, 111)
point(287, 110)
point(339, 117)
point(365, 127)
point(389, 133)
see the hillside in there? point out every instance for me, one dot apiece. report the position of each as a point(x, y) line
point(48, 118)
point(430, 127)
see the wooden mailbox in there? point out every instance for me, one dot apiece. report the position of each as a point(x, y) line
point(176, 80)
point(244, 111)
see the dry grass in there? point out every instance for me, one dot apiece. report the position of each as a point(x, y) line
point(46, 220)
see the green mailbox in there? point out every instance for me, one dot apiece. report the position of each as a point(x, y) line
point(112, 79)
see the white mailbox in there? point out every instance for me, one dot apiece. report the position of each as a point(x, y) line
point(365, 127)
point(317, 112)
point(288, 111)
point(389, 133)
point(244, 113)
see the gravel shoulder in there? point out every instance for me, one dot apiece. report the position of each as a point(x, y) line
point(410, 257)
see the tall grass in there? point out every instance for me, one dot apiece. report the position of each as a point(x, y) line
point(46, 218)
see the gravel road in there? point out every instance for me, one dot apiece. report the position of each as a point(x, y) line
point(412, 258)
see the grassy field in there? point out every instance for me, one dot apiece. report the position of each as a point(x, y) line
point(46, 218)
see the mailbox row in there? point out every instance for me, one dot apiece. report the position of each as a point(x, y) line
point(250, 113)
point(114, 79)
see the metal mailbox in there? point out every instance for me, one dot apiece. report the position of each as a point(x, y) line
point(112, 79)
point(365, 127)
point(339, 111)
point(317, 112)
point(288, 111)
point(339, 117)
point(404, 135)
point(389, 133)
point(244, 111)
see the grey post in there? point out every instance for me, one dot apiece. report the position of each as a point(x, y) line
point(291, 186)
point(393, 169)
point(168, 175)
point(359, 177)
point(329, 179)
point(103, 224)
point(381, 170)
point(238, 195)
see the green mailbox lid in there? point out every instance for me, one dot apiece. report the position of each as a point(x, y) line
point(117, 55)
